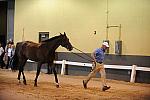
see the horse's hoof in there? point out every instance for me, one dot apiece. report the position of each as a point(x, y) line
point(25, 83)
point(19, 82)
point(35, 85)
point(57, 85)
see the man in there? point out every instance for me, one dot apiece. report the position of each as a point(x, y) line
point(98, 66)
point(9, 54)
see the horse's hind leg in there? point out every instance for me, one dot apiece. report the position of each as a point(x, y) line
point(21, 68)
point(56, 79)
point(49, 70)
point(24, 79)
point(37, 73)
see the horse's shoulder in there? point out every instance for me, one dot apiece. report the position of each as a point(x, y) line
point(42, 46)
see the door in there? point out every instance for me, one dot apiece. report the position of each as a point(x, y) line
point(43, 36)
point(3, 22)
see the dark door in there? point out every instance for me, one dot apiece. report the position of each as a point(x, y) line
point(43, 36)
point(3, 22)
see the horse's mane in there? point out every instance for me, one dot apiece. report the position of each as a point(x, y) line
point(53, 38)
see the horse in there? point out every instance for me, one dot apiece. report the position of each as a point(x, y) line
point(41, 53)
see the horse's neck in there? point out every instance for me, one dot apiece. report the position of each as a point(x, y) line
point(53, 45)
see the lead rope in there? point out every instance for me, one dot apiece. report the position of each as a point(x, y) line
point(85, 58)
point(84, 53)
point(82, 57)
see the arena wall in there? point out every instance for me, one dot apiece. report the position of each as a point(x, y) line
point(80, 18)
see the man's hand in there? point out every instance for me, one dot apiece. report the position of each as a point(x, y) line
point(93, 65)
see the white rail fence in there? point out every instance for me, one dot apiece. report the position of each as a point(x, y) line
point(133, 68)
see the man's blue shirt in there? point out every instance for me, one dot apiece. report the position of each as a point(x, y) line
point(99, 55)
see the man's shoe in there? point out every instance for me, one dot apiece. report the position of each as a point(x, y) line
point(84, 85)
point(105, 88)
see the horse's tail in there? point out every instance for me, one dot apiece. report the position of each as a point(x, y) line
point(15, 59)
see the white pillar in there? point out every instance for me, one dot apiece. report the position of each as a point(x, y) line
point(63, 67)
point(133, 74)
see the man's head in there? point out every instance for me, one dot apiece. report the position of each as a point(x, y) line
point(105, 45)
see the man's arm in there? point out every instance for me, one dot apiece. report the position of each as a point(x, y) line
point(94, 61)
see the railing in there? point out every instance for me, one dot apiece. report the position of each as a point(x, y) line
point(133, 68)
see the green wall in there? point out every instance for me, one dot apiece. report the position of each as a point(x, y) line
point(80, 18)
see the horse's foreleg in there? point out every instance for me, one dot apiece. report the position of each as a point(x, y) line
point(19, 74)
point(56, 79)
point(37, 73)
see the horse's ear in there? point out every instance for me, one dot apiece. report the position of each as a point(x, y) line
point(64, 33)
point(60, 34)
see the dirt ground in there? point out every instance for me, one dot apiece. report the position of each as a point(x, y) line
point(70, 88)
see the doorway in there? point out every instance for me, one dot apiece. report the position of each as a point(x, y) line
point(3, 22)
point(43, 36)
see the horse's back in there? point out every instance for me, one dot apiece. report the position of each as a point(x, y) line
point(26, 44)
point(29, 50)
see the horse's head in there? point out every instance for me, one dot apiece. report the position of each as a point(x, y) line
point(65, 42)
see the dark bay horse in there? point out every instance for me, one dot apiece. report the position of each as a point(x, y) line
point(41, 53)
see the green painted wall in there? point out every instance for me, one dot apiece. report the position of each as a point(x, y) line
point(80, 18)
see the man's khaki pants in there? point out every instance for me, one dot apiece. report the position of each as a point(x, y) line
point(97, 67)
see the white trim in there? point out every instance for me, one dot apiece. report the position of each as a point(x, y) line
point(133, 68)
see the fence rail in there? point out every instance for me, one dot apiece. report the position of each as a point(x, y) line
point(133, 68)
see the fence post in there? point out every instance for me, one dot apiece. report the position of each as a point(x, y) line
point(63, 67)
point(133, 73)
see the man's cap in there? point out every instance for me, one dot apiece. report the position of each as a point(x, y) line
point(106, 44)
